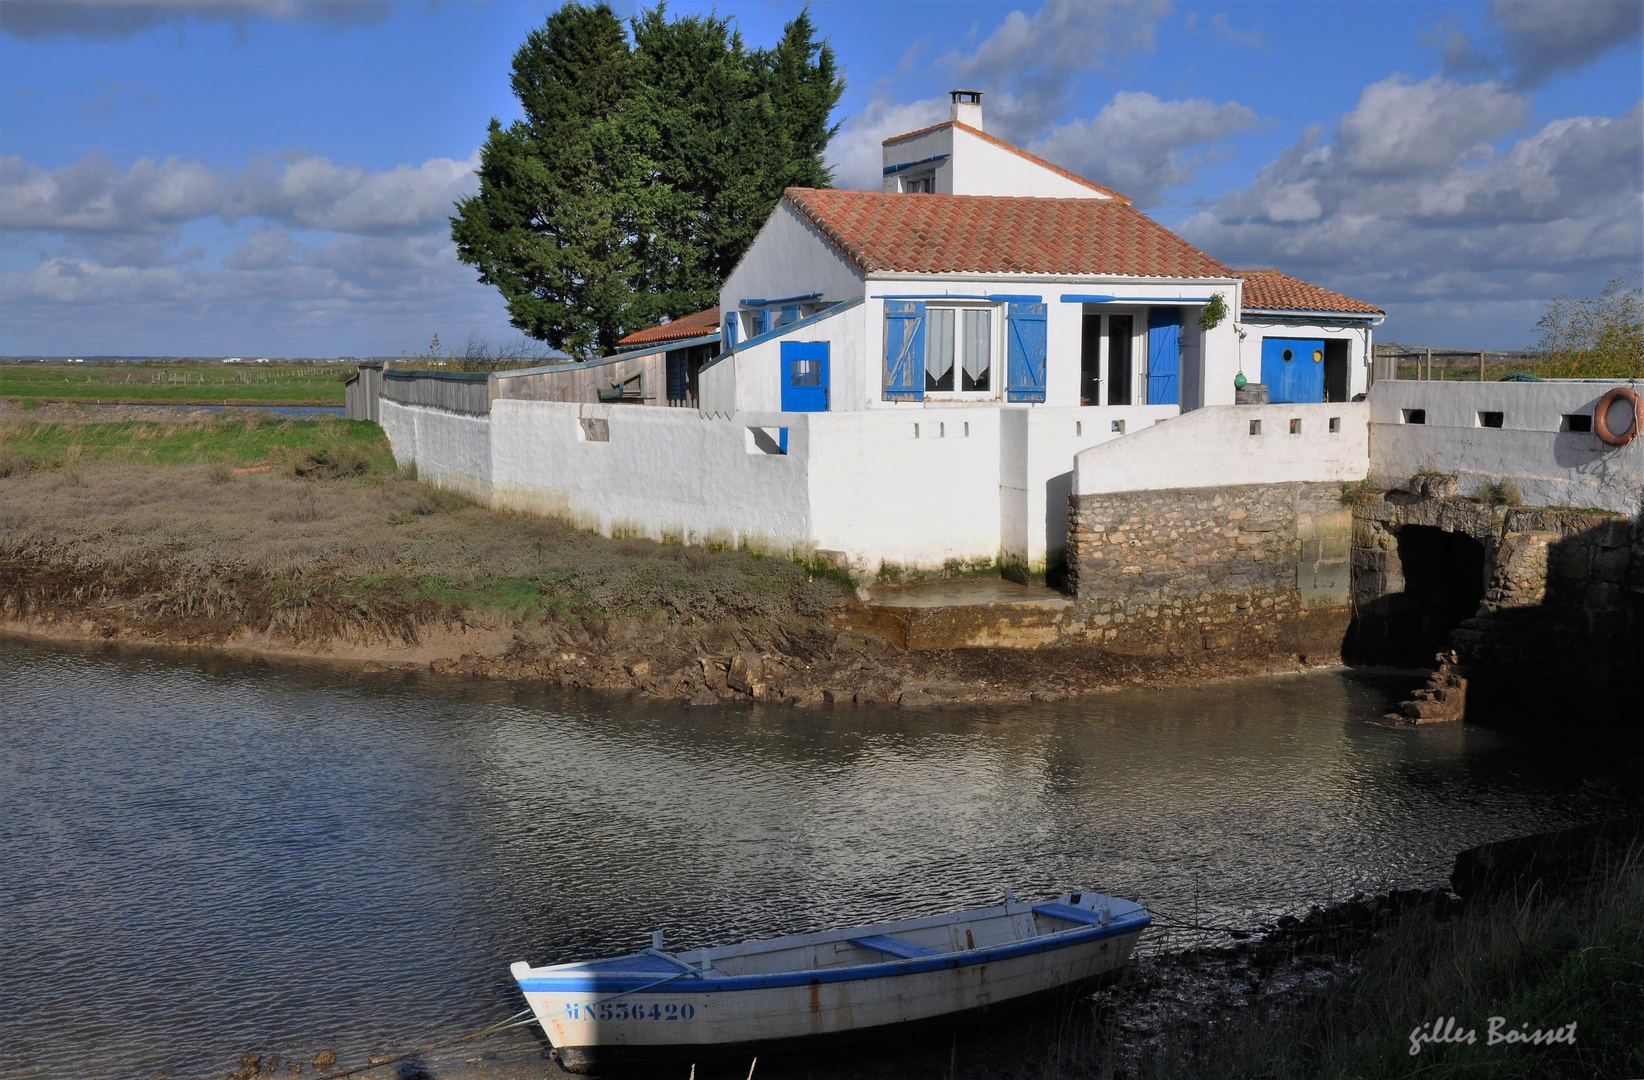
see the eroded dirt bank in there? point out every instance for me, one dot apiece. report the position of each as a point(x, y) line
point(323, 553)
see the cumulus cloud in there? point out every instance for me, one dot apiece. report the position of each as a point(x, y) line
point(1137, 143)
point(1539, 39)
point(106, 20)
point(1028, 66)
point(854, 154)
point(1412, 202)
point(1031, 62)
point(1545, 37)
point(351, 295)
point(93, 195)
point(386, 276)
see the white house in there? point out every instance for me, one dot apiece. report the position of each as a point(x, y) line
point(1028, 287)
point(1305, 343)
point(903, 377)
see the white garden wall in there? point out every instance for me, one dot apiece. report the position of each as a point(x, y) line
point(1534, 448)
point(1233, 444)
point(451, 449)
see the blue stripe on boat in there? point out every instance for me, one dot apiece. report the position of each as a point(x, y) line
point(583, 982)
point(891, 946)
point(1069, 913)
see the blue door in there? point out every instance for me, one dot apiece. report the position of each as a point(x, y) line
point(1293, 369)
point(804, 376)
point(1164, 355)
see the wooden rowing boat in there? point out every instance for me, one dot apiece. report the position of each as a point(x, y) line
point(860, 981)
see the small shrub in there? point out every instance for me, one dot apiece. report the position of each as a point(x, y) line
point(30, 404)
point(408, 471)
point(220, 473)
point(1499, 493)
point(329, 461)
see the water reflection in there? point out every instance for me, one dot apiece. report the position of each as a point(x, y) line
point(199, 857)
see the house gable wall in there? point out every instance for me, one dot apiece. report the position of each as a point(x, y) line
point(789, 258)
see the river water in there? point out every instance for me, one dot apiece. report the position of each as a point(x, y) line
point(198, 857)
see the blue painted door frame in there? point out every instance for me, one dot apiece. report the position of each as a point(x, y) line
point(804, 376)
point(1293, 369)
point(1164, 355)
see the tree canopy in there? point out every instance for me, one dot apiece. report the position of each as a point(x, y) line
point(646, 162)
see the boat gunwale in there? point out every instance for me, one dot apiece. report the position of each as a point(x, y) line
point(618, 982)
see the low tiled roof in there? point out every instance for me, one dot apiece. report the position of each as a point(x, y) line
point(935, 234)
point(1272, 290)
point(686, 326)
point(1017, 150)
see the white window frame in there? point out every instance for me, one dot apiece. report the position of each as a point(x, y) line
point(996, 355)
point(907, 183)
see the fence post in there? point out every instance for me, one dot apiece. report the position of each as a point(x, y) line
point(1481, 365)
point(1429, 376)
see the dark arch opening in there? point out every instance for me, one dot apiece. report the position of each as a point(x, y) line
point(1443, 585)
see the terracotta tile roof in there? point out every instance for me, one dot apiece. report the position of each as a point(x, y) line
point(687, 326)
point(1017, 150)
point(1272, 290)
point(935, 234)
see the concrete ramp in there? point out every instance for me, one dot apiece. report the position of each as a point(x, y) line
point(967, 614)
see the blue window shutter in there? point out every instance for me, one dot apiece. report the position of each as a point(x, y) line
point(1025, 350)
point(790, 314)
point(904, 350)
point(762, 321)
point(730, 332)
point(679, 383)
point(1164, 355)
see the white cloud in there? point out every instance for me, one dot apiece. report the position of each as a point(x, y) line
point(1032, 61)
point(92, 195)
point(1401, 126)
point(352, 295)
point(106, 20)
point(854, 154)
point(1136, 143)
point(1412, 205)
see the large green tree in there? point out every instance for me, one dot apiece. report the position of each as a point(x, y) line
point(647, 159)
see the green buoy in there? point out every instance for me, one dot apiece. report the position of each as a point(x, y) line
point(1240, 382)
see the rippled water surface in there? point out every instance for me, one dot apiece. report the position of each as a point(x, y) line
point(201, 857)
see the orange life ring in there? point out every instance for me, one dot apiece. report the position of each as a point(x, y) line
point(1601, 416)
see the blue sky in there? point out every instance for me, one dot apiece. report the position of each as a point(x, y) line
point(273, 177)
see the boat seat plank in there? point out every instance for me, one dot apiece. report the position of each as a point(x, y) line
point(1068, 913)
point(907, 950)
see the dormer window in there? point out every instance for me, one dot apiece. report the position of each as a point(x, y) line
point(918, 185)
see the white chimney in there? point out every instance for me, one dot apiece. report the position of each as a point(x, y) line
point(967, 108)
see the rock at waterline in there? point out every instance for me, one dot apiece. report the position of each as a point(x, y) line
point(325, 1059)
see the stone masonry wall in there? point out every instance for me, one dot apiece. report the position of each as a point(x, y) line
point(1559, 630)
point(1242, 572)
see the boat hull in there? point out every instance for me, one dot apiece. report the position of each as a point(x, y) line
point(713, 1017)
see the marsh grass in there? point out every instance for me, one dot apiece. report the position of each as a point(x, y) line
point(319, 447)
point(138, 515)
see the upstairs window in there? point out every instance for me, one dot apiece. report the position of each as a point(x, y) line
point(920, 185)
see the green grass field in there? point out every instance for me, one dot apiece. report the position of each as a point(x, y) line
point(235, 440)
point(176, 384)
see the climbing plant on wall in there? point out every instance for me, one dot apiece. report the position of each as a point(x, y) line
point(648, 157)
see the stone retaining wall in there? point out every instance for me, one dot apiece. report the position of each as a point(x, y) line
point(1246, 571)
point(1558, 633)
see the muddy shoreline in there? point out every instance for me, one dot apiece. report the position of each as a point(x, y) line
point(805, 667)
